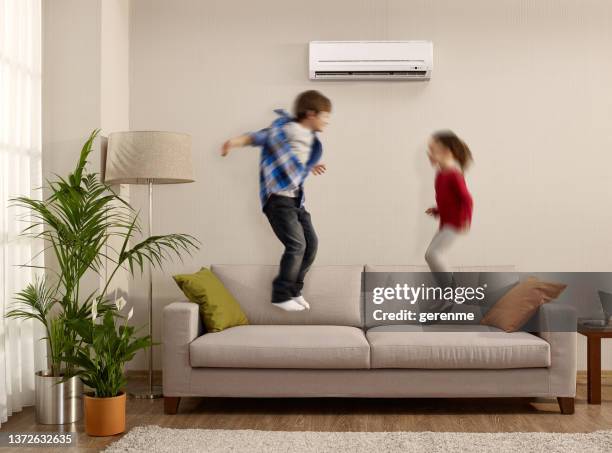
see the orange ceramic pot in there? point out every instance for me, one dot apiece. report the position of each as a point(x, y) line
point(104, 416)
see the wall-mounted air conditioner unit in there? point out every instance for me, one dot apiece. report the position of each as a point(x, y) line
point(371, 60)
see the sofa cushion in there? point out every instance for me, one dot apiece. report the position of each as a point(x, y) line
point(334, 294)
point(219, 309)
point(332, 347)
point(455, 347)
point(517, 306)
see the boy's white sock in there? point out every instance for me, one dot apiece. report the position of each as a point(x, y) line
point(300, 300)
point(289, 305)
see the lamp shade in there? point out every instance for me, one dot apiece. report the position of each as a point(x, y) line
point(140, 157)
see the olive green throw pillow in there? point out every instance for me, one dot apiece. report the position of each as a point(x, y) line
point(218, 307)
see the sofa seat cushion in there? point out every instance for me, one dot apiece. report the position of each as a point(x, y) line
point(455, 347)
point(278, 346)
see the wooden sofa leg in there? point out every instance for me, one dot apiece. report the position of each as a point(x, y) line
point(171, 404)
point(566, 404)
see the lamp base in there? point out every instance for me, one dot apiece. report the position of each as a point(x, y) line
point(147, 393)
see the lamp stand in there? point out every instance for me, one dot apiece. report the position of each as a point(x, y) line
point(152, 392)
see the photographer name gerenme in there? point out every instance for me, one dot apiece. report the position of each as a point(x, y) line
point(409, 315)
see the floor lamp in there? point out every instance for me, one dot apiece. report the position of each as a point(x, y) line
point(148, 157)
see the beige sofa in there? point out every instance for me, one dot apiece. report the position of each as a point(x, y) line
point(329, 351)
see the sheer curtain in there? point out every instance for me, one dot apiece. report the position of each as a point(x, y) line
point(20, 174)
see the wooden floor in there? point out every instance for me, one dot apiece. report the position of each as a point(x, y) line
point(471, 415)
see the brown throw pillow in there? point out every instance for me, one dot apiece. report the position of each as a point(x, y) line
point(514, 309)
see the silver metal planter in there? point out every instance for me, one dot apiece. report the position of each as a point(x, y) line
point(57, 404)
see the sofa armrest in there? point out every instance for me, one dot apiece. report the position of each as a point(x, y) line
point(555, 317)
point(180, 326)
point(556, 324)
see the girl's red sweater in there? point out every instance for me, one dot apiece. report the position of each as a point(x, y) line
point(453, 199)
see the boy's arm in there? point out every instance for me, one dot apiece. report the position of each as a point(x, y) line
point(236, 142)
point(255, 138)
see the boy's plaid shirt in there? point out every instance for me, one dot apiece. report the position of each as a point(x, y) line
point(279, 168)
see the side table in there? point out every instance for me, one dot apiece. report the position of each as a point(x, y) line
point(594, 336)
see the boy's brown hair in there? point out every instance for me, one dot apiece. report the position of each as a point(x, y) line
point(311, 100)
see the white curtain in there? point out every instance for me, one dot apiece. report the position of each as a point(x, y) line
point(20, 174)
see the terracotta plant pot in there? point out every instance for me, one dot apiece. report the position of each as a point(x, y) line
point(104, 416)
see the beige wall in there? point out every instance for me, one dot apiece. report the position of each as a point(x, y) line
point(114, 65)
point(85, 85)
point(85, 76)
point(70, 80)
point(527, 86)
point(526, 83)
point(115, 101)
point(71, 95)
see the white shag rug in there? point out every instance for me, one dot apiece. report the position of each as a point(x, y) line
point(153, 439)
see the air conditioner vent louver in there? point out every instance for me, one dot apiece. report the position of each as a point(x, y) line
point(371, 73)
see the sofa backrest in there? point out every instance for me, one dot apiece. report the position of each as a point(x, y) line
point(334, 293)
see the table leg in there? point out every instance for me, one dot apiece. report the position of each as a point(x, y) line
point(594, 369)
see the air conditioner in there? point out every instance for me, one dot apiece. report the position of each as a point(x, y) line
point(371, 60)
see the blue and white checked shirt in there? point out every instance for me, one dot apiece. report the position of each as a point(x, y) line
point(279, 168)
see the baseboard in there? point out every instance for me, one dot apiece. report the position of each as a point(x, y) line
point(606, 377)
point(142, 374)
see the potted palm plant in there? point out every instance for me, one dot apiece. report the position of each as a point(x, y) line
point(79, 221)
point(58, 391)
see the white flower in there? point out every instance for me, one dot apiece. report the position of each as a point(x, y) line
point(120, 303)
point(94, 310)
point(130, 313)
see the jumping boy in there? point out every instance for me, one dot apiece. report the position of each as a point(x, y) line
point(290, 150)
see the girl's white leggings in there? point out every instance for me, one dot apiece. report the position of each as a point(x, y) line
point(434, 255)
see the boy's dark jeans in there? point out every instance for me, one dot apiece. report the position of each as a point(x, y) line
point(293, 227)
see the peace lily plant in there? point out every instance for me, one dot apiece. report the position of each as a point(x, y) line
point(106, 348)
point(80, 220)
